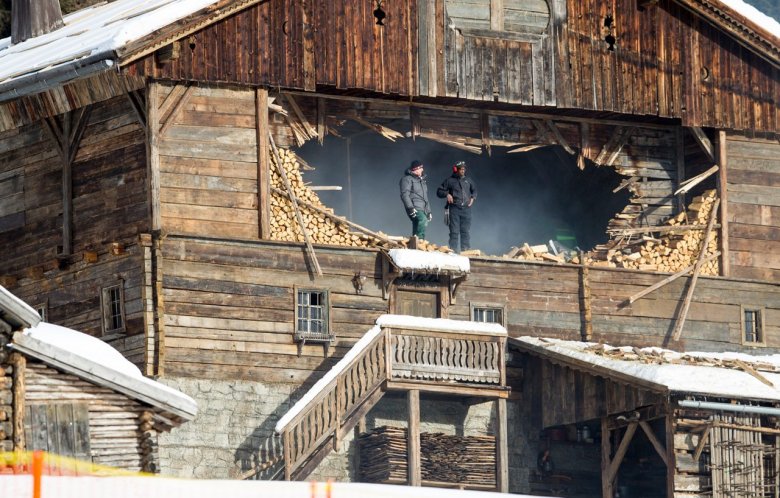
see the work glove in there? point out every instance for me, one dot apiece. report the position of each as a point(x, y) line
point(412, 213)
point(430, 216)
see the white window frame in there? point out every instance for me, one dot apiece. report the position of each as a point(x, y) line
point(474, 307)
point(303, 319)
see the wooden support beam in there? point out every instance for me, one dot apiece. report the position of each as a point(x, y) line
point(153, 154)
point(679, 142)
point(723, 194)
point(606, 450)
point(688, 184)
point(659, 448)
point(296, 208)
point(702, 442)
point(19, 364)
point(166, 120)
point(699, 262)
point(584, 145)
point(502, 447)
point(614, 145)
point(413, 435)
point(586, 313)
point(321, 112)
point(671, 455)
point(703, 141)
point(668, 279)
point(170, 100)
point(263, 166)
point(138, 103)
point(614, 465)
point(559, 137)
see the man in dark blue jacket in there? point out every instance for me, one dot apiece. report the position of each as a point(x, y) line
point(461, 193)
point(414, 195)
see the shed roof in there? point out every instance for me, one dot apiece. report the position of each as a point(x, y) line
point(725, 375)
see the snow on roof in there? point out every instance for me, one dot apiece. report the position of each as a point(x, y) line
point(760, 19)
point(440, 325)
point(89, 357)
point(92, 32)
point(413, 259)
point(403, 321)
point(691, 372)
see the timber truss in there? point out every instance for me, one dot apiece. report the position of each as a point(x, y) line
point(400, 354)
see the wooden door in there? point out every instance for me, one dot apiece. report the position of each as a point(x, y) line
point(417, 303)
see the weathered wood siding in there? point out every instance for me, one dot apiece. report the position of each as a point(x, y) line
point(229, 308)
point(6, 400)
point(563, 395)
point(114, 426)
point(296, 44)
point(109, 184)
point(753, 196)
point(208, 165)
point(666, 61)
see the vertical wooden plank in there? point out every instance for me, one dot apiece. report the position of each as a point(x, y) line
point(438, 40)
point(263, 167)
point(147, 299)
point(722, 155)
point(67, 186)
point(153, 154)
point(307, 46)
point(413, 438)
point(52, 435)
point(65, 428)
point(81, 445)
point(502, 447)
point(606, 481)
point(680, 159)
point(19, 363)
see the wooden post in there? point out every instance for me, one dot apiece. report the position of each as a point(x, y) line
point(725, 267)
point(586, 314)
point(502, 447)
point(19, 363)
point(287, 455)
point(148, 304)
point(263, 168)
point(606, 448)
point(152, 140)
point(670, 454)
point(67, 188)
point(680, 153)
point(413, 438)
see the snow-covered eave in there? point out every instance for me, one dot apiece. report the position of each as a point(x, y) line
point(165, 401)
point(440, 325)
point(428, 262)
point(16, 312)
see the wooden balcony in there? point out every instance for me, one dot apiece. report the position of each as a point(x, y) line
point(400, 353)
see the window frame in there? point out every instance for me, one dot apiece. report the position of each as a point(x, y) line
point(326, 336)
point(760, 333)
point(474, 306)
point(106, 312)
point(42, 309)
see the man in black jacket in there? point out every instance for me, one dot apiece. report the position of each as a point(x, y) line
point(414, 195)
point(461, 193)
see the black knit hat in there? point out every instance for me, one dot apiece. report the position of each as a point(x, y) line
point(416, 164)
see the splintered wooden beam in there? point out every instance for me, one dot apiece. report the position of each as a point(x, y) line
point(703, 141)
point(625, 183)
point(525, 148)
point(321, 111)
point(692, 182)
point(296, 208)
point(699, 262)
point(299, 114)
point(614, 145)
point(386, 132)
point(447, 140)
point(558, 137)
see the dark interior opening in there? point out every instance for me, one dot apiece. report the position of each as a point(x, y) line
point(529, 197)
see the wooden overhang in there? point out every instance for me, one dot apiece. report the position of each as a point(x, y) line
point(171, 408)
point(393, 268)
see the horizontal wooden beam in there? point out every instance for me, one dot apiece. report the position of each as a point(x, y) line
point(484, 392)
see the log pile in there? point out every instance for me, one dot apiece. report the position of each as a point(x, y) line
point(674, 250)
point(469, 460)
point(322, 229)
point(534, 253)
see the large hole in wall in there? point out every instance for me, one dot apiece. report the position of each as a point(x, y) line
point(529, 197)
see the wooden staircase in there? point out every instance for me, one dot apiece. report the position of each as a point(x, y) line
point(426, 355)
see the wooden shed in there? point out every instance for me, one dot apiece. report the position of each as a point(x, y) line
point(72, 395)
point(649, 422)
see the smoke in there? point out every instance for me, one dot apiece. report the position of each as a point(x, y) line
point(525, 197)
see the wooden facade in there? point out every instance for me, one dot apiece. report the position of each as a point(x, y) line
point(157, 178)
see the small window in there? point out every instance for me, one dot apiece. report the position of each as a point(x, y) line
point(311, 316)
point(487, 314)
point(752, 326)
point(43, 311)
point(113, 305)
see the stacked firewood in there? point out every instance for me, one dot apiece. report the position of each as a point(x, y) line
point(674, 251)
point(534, 253)
point(469, 460)
point(322, 229)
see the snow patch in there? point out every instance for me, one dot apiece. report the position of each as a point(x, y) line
point(413, 259)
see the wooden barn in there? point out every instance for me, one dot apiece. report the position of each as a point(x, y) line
point(210, 187)
point(70, 394)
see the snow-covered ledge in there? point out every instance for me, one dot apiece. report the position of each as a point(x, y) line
point(440, 325)
point(413, 260)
